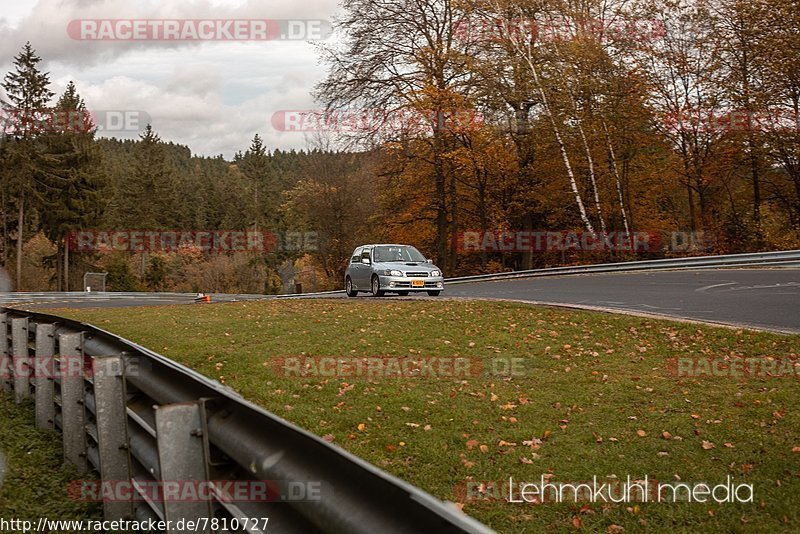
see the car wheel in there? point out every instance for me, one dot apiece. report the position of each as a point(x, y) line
point(376, 287)
point(403, 293)
point(348, 287)
point(434, 293)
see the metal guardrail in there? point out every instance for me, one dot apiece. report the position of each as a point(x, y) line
point(758, 259)
point(139, 418)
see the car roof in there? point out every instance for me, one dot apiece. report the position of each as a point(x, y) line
point(385, 245)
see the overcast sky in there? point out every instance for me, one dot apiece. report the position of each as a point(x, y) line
point(212, 96)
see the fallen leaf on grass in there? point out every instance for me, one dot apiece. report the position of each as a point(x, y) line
point(641, 433)
point(467, 463)
point(707, 445)
point(533, 443)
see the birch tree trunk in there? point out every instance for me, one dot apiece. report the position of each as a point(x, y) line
point(526, 52)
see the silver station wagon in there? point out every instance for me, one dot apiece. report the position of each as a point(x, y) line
point(391, 268)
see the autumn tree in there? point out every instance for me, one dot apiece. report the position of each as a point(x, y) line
point(335, 199)
point(400, 59)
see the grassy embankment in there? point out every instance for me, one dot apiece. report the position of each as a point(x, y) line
point(596, 399)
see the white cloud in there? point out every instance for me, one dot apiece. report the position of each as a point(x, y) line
point(211, 96)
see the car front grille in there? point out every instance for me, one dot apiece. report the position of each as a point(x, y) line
point(417, 274)
point(407, 285)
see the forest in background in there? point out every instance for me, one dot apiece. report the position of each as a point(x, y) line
point(442, 117)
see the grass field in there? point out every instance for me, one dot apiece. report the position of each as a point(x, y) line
point(34, 481)
point(596, 399)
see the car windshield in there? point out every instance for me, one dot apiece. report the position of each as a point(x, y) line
point(396, 253)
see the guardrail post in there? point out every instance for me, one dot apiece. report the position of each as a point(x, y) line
point(70, 350)
point(44, 376)
point(181, 457)
point(112, 430)
point(5, 356)
point(19, 341)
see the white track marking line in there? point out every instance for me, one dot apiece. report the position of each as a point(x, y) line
point(706, 288)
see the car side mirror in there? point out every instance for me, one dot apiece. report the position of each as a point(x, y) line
point(428, 260)
point(365, 261)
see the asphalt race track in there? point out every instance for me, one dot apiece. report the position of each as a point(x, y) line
point(762, 298)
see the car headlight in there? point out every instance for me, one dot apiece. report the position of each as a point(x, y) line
point(392, 272)
point(435, 273)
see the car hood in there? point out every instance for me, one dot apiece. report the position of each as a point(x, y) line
point(407, 266)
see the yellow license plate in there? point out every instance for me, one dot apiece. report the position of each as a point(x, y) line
point(418, 283)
